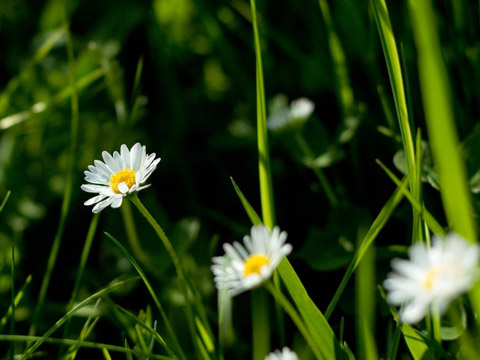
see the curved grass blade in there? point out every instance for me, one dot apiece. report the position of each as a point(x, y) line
point(371, 235)
point(170, 331)
point(85, 344)
point(155, 335)
point(427, 217)
point(60, 322)
point(254, 218)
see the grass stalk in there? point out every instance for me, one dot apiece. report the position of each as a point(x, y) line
point(67, 196)
point(297, 320)
point(85, 344)
point(168, 326)
point(260, 324)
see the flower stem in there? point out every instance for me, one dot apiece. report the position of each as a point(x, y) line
point(290, 310)
point(173, 255)
point(332, 198)
point(260, 324)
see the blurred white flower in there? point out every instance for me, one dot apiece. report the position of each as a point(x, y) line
point(285, 354)
point(119, 176)
point(433, 277)
point(283, 117)
point(244, 267)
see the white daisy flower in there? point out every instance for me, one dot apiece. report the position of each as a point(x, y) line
point(118, 176)
point(244, 267)
point(285, 354)
point(433, 277)
point(283, 117)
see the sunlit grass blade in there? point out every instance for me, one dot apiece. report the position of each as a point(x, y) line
point(371, 235)
point(265, 175)
point(365, 288)
point(429, 219)
point(5, 199)
point(104, 348)
point(319, 328)
point(392, 60)
point(69, 176)
point(40, 340)
point(299, 323)
point(168, 326)
point(316, 323)
point(18, 298)
point(43, 50)
point(39, 107)
point(440, 121)
point(344, 90)
point(156, 336)
point(442, 130)
point(254, 218)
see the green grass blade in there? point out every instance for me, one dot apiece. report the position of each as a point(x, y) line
point(85, 344)
point(427, 217)
point(170, 331)
point(5, 199)
point(254, 218)
point(266, 188)
point(18, 298)
point(440, 121)
point(155, 335)
point(317, 325)
point(344, 90)
point(61, 321)
point(69, 177)
point(365, 288)
point(392, 60)
point(260, 324)
point(372, 233)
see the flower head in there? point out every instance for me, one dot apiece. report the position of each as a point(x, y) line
point(285, 354)
point(118, 176)
point(433, 277)
point(244, 267)
point(284, 117)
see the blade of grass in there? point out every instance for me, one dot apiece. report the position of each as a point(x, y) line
point(176, 262)
point(40, 340)
point(171, 333)
point(344, 90)
point(260, 324)
point(5, 199)
point(12, 300)
point(266, 188)
point(371, 235)
point(392, 60)
point(318, 326)
point(441, 129)
point(290, 310)
point(85, 344)
point(67, 196)
point(427, 217)
point(81, 268)
point(254, 218)
point(155, 335)
point(365, 302)
point(18, 298)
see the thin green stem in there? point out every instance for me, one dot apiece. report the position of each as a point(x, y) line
point(67, 196)
point(176, 262)
point(81, 268)
point(85, 344)
point(260, 324)
point(290, 310)
point(308, 153)
point(12, 320)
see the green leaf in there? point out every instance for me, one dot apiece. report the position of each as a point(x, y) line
point(254, 218)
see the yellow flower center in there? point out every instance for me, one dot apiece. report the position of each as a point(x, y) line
point(254, 263)
point(126, 176)
point(431, 276)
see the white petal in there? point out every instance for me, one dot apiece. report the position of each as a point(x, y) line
point(94, 200)
point(92, 188)
point(102, 205)
point(110, 162)
point(136, 156)
point(117, 202)
point(125, 153)
point(123, 188)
